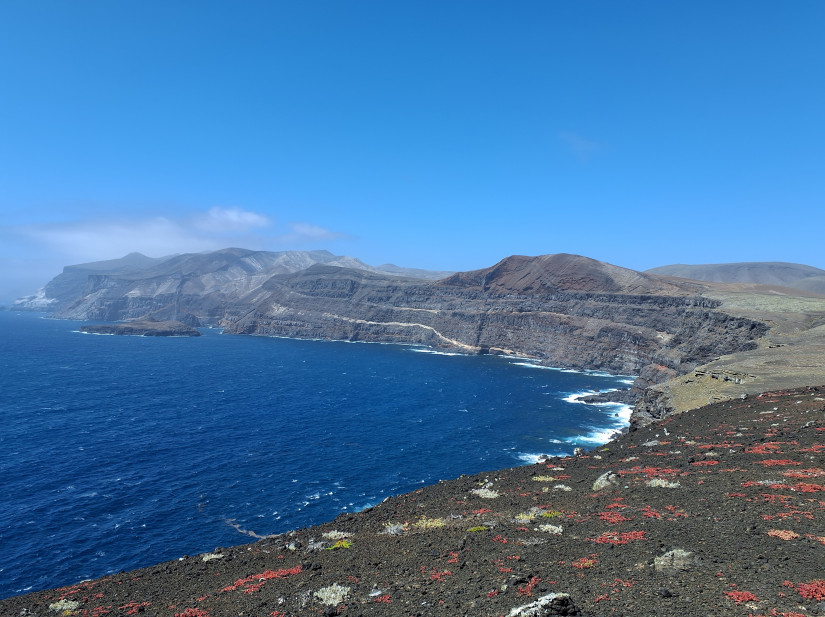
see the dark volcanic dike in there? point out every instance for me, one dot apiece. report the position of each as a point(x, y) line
point(714, 512)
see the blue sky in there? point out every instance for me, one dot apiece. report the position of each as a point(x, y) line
point(430, 134)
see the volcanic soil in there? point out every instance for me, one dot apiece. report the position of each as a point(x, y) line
point(718, 511)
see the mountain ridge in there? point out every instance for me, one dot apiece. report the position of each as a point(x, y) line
point(785, 274)
point(559, 310)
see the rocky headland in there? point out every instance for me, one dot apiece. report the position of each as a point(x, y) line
point(142, 327)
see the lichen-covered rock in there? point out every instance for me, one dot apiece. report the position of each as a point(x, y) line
point(606, 480)
point(545, 606)
point(677, 560)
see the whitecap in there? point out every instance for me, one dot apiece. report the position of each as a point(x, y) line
point(434, 352)
point(530, 458)
point(575, 397)
point(599, 436)
point(529, 364)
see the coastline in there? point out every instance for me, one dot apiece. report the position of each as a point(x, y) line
point(448, 461)
point(718, 510)
point(750, 606)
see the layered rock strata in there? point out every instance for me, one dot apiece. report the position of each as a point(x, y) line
point(558, 310)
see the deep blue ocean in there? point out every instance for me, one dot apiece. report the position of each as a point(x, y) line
point(122, 452)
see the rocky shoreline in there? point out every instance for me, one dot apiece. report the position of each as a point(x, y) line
point(142, 327)
point(717, 511)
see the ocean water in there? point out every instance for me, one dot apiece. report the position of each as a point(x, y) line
point(122, 452)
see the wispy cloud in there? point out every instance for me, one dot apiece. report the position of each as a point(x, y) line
point(47, 247)
point(581, 147)
point(305, 232)
point(230, 219)
point(88, 240)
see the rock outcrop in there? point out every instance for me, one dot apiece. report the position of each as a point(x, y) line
point(143, 327)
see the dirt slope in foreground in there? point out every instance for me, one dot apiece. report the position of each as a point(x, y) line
point(717, 511)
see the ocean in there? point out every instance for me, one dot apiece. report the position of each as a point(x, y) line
point(122, 452)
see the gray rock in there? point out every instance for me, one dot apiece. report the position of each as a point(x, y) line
point(606, 480)
point(677, 560)
point(545, 606)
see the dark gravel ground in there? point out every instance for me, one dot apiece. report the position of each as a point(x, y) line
point(719, 511)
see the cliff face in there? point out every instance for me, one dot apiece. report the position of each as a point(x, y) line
point(559, 310)
point(136, 285)
point(582, 317)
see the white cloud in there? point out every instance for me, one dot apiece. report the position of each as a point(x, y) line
point(218, 228)
point(304, 232)
point(47, 247)
point(107, 239)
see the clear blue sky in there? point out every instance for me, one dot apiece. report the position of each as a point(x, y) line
point(433, 134)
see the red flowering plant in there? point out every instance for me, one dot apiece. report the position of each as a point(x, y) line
point(814, 590)
point(741, 596)
point(583, 563)
point(616, 537)
point(253, 583)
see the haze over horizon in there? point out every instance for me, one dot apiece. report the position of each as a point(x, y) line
point(443, 136)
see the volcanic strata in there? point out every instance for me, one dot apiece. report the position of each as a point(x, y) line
point(560, 310)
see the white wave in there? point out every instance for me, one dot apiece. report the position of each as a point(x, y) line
point(529, 364)
point(599, 436)
point(531, 458)
point(526, 362)
point(576, 396)
point(434, 352)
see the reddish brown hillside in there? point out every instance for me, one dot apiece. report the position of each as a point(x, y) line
point(548, 274)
